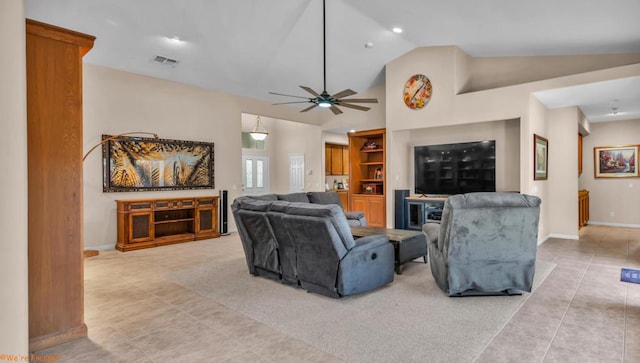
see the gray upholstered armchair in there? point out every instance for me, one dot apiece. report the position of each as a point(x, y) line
point(485, 244)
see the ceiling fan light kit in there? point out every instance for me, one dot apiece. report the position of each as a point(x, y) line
point(324, 99)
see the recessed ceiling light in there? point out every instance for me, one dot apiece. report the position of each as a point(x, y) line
point(368, 45)
point(175, 39)
point(352, 130)
point(397, 30)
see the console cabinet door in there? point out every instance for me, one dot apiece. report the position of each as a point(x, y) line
point(207, 218)
point(140, 227)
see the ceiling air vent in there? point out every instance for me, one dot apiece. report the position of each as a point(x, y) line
point(164, 60)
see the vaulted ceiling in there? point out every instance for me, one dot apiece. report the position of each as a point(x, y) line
point(250, 47)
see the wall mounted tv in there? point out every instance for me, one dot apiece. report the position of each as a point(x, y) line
point(455, 168)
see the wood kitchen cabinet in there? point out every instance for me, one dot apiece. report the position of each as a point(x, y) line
point(579, 154)
point(336, 159)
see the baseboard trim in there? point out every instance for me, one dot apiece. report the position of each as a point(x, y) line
point(57, 338)
point(544, 239)
point(614, 224)
point(564, 236)
point(100, 248)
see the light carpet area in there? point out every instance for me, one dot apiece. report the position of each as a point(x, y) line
point(410, 320)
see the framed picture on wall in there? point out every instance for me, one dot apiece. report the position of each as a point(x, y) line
point(135, 164)
point(540, 158)
point(615, 161)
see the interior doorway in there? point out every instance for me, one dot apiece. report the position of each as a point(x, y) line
point(296, 173)
point(255, 174)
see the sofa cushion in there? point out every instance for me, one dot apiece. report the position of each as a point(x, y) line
point(265, 197)
point(324, 198)
point(255, 205)
point(294, 197)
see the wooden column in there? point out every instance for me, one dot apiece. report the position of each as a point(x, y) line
point(54, 137)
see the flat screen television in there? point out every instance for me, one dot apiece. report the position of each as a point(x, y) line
point(455, 168)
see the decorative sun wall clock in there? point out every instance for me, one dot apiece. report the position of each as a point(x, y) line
point(417, 91)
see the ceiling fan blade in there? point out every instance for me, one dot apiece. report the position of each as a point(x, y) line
point(309, 108)
point(359, 100)
point(344, 93)
point(308, 89)
point(361, 108)
point(287, 103)
point(282, 94)
point(336, 111)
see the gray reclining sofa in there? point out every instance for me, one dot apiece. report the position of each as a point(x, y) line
point(311, 246)
point(485, 244)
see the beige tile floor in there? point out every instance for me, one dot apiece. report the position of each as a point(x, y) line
point(581, 313)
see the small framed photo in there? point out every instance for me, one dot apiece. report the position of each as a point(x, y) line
point(540, 158)
point(615, 161)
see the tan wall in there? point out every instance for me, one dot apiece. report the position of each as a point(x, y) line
point(494, 72)
point(448, 108)
point(14, 329)
point(563, 169)
point(620, 196)
point(536, 123)
point(439, 65)
point(117, 102)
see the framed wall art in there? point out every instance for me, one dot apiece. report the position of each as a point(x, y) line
point(540, 158)
point(615, 161)
point(132, 164)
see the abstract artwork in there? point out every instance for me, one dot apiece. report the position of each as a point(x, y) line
point(146, 164)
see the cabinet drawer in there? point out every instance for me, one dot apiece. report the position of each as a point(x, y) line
point(164, 204)
point(206, 202)
point(140, 206)
point(186, 203)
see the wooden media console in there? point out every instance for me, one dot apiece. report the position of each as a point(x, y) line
point(144, 223)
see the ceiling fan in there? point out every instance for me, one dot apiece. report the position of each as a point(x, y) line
point(324, 99)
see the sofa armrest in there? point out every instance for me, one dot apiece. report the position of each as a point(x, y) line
point(371, 241)
point(354, 215)
point(431, 230)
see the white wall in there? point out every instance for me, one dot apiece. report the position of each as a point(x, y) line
point(117, 102)
point(606, 195)
point(14, 329)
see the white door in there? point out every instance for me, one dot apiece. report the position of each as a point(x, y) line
point(296, 173)
point(255, 174)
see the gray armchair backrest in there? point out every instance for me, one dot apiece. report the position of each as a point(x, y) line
point(258, 240)
point(479, 230)
point(509, 220)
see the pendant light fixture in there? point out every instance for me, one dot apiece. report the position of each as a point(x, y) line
point(259, 133)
